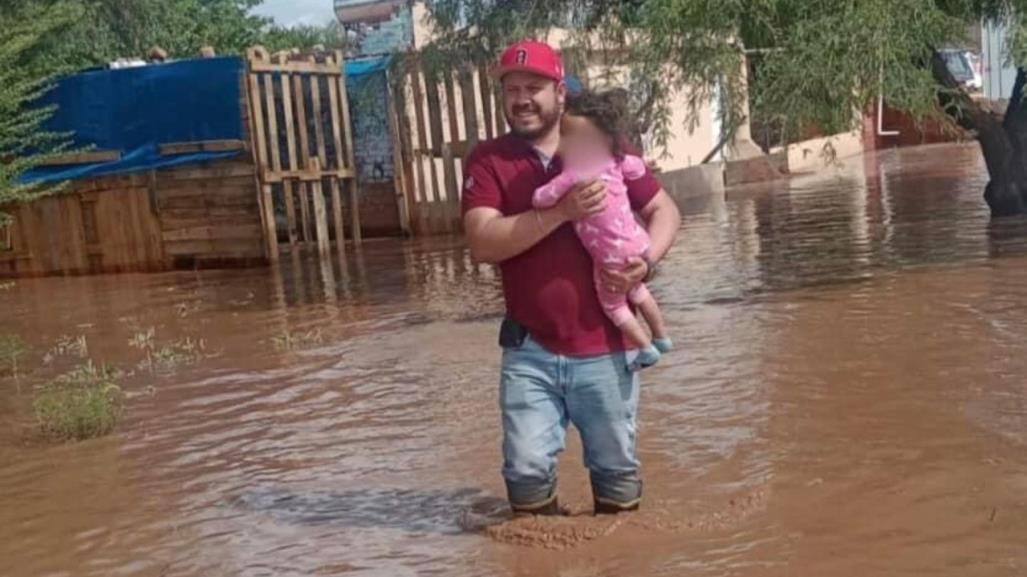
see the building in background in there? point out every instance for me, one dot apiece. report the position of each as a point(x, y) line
point(376, 27)
point(999, 75)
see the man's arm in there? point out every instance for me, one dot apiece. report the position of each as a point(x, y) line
point(494, 238)
point(662, 219)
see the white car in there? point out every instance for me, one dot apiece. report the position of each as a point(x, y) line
point(965, 66)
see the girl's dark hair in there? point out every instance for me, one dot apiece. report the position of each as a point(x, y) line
point(607, 111)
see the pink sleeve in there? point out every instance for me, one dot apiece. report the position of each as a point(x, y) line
point(633, 167)
point(549, 194)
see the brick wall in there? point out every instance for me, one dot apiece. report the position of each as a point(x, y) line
point(372, 142)
point(372, 152)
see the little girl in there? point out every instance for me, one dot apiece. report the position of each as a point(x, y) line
point(591, 134)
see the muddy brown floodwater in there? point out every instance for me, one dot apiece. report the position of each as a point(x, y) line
point(849, 398)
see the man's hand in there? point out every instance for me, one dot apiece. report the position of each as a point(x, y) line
point(623, 280)
point(584, 200)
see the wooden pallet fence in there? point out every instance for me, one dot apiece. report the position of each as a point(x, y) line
point(438, 118)
point(302, 147)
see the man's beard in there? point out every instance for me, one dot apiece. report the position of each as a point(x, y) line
point(549, 120)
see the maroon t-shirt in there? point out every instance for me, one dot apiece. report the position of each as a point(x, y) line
point(548, 288)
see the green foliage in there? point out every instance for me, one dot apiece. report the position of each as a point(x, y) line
point(817, 61)
point(304, 37)
point(67, 346)
point(11, 349)
point(297, 340)
point(83, 404)
point(23, 145)
point(96, 32)
point(165, 358)
point(106, 30)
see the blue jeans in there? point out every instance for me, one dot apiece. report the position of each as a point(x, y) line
point(540, 393)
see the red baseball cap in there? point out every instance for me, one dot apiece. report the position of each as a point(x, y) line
point(532, 57)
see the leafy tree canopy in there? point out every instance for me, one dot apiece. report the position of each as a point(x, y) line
point(817, 60)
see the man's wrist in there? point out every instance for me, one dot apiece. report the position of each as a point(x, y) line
point(651, 268)
point(549, 219)
point(558, 214)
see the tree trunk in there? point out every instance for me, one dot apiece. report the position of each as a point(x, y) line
point(1003, 141)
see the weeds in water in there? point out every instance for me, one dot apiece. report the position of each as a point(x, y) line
point(144, 341)
point(185, 309)
point(297, 340)
point(67, 345)
point(84, 403)
point(181, 352)
point(164, 358)
point(11, 348)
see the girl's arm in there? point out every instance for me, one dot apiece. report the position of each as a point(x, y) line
point(550, 194)
point(632, 167)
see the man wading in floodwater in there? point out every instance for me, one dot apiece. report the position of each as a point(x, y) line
point(562, 358)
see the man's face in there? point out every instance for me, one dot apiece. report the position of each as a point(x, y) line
point(532, 104)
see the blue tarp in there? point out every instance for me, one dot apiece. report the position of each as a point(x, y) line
point(134, 110)
point(357, 68)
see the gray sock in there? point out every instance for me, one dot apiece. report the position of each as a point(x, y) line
point(646, 358)
point(664, 345)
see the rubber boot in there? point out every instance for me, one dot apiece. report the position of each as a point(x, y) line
point(608, 508)
point(549, 509)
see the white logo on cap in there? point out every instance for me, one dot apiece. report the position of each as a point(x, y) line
point(522, 56)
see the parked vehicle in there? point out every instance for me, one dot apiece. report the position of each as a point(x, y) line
point(965, 66)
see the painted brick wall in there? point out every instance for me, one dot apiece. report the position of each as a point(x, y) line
point(372, 152)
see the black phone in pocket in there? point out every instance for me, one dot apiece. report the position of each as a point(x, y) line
point(512, 334)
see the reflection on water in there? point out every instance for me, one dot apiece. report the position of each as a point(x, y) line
point(848, 399)
point(416, 511)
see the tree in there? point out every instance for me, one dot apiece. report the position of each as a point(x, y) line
point(818, 60)
point(304, 37)
point(23, 144)
point(109, 29)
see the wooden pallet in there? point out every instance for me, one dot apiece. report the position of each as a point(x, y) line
point(302, 139)
point(438, 118)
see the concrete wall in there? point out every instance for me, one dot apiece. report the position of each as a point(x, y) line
point(702, 180)
point(999, 76)
point(818, 153)
point(379, 211)
point(684, 148)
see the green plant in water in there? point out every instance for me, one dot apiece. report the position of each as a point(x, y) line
point(297, 340)
point(84, 403)
point(144, 341)
point(68, 345)
point(167, 357)
point(11, 348)
point(181, 352)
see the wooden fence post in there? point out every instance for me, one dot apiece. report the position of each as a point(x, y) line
point(320, 214)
